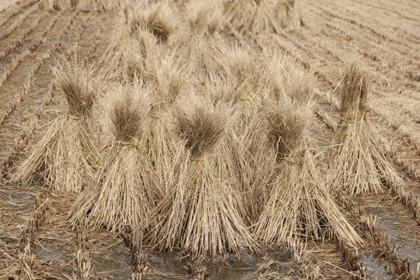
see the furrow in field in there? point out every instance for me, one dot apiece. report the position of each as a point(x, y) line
point(374, 34)
point(15, 209)
point(329, 261)
point(21, 65)
point(78, 251)
point(396, 13)
point(15, 132)
point(385, 63)
point(7, 16)
point(407, 10)
point(13, 44)
point(393, 107)
point(401, 235)
point(43, 251)
point(26, 84)
point(392, 21)
point(25, 262)
point(352, 31)
point(379, 244)
point(22, 25)
point(7, 30)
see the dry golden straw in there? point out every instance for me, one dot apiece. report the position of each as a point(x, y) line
point(124, 190)
point(156, 19)
point(263, 15)
point(358, 164)
point(299, 204)
point(202, 212)
point(201, 44)
point(66, 156)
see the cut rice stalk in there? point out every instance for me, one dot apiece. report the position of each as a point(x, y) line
point(202, 212)
point(357, 164)
point(263, 15)
point(66, 156)
point(201, 43)
point(157, 20)
point(299, 204)
point(125, 189)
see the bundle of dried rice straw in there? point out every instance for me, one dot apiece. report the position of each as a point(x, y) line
point(201, 44)
point(66, 156)
point(156, 19)
point(125, 188)
point(202, 211)
point(356, 162)
point(263, 15)
point(299, 204)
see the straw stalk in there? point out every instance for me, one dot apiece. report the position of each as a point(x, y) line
point(202, 212)
point(66, 156)
point(124, 190)
point(358, 164)
point(299, 205)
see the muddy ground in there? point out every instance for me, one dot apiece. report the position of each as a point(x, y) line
point(383, 35)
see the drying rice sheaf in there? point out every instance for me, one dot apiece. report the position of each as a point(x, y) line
point(287, 80)
point(299, 204)
point(201, 44)
point(138, 56)
point(157, 20)
point(259, 81)
point(131, 59)
point(202, 211)
point(357, 164)
point(124, 191)
point(169, 83)
point(66, 156)
point(263, 15)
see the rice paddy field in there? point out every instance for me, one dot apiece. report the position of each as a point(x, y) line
point(225, 139)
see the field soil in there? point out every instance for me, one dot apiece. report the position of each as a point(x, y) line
point(6, 3)
point(383, 35)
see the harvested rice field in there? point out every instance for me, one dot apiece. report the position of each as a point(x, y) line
point(194, 139)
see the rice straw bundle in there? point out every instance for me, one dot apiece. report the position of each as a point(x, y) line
point(251, 16)
point(169, 82)
point(357, 164)
point(157, 20)
point(202, 211)
point(290, 13)
point(168, 76)
point(263, 15)
point(256, 166)
point(131, 59)
point(299, 204)
point(201, 43)
point(287, 80)
point(245, 77)
point(137, 57)
point(124, 190)
point(66, 156)
point(133, 50)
